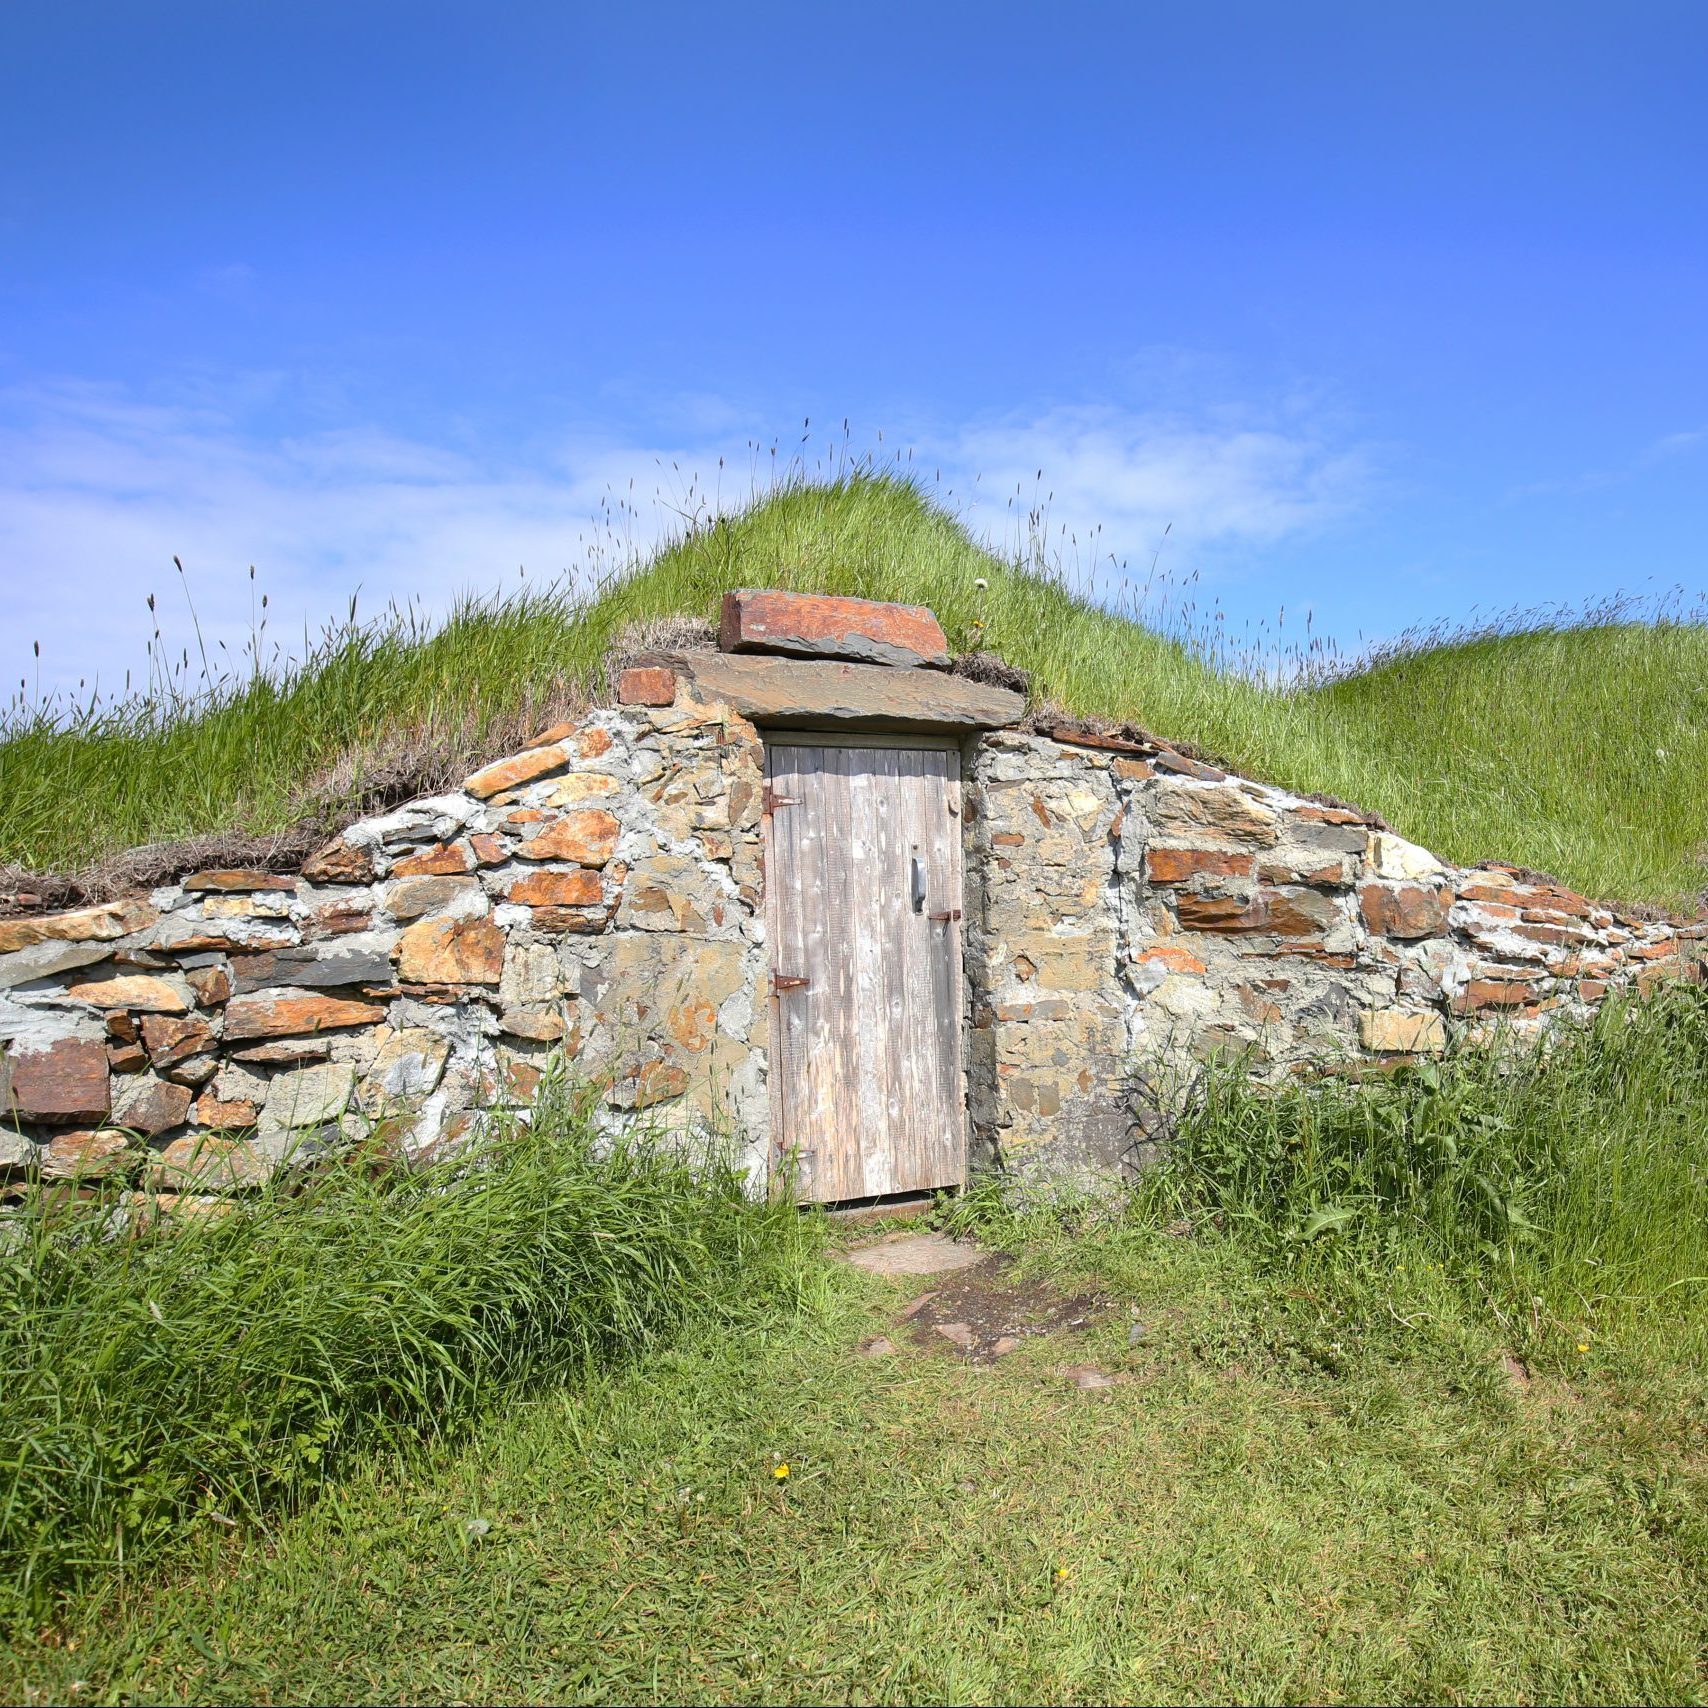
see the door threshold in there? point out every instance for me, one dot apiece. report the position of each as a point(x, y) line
point(885, 1207)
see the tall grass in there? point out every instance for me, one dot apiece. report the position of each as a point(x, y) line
point(214, 1374)
point(1576, 743)
point(1571, 1175)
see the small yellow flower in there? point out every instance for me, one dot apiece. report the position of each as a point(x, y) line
point(780, 1472)
point(1062, 1574)
point(1583, 1346)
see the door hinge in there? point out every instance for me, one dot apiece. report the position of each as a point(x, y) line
point(788, 981)
point(951, 913)
point(770, 800)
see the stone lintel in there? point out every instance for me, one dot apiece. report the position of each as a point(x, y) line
point(823, 625)
point(810, 694)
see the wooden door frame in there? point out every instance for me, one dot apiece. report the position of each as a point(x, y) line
point(793, 736)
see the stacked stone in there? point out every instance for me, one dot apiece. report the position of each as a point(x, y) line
point(597, 894)
point(1140, 909)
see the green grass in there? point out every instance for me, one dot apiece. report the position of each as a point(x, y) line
point(1287, 1497)
point(1580, 747)
point(1422, 1454)
point(212, 1374)
point(1569, 1175)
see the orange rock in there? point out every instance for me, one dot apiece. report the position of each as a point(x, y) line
point(137, 991)
point(518, 769)
point(652, 1082)
point(488, 850)
point(692, 1025)
point(542, 1025)
point(213, 1111)
point(1332, 875)
point(339, 862)
point(820, 625)
point(519, 1081)
point(593, 742)
point(588, 837)
point(550, 737)
point(451, 951)
point(648, 686)
point(81, 925)
point(152, 1107)
point(580, 888)
point(212, 985)
point(244, 937)
point(556, 921)
point(1178, 865)
point(1404, 910)
point(226, 880)
point(441, 861)
point(208, 1162)
point(89, 1156)
point(172, 1041)
point(1495, 993)
point(1267, 914)
point(284, 1013)
point(65, 1084)
point(127, 1058)
point(1176, 960)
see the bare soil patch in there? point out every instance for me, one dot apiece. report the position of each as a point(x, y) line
point(981, 1317)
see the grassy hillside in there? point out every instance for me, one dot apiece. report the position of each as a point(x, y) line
point(1579, 749)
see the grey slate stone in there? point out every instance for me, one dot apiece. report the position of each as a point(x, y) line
point(802, 693)
point(316, 966)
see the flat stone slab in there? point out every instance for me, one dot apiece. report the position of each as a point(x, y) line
point(814, 693)
point(915, 1254)
point(821, 625)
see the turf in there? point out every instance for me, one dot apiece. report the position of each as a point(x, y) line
point(1288, 1496)
point(1576, 746)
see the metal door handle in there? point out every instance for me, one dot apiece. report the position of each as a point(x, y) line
point(918, 884)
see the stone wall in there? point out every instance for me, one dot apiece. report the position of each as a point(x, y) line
point(1133, 911)
point(597, 894)
point(1129, 910)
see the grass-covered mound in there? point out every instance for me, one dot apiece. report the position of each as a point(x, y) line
point(1579, 749)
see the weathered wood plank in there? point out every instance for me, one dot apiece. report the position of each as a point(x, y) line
point(867, 1086)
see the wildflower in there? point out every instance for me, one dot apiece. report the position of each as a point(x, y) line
point(1062, 1574)
point(780, 1472)
point(1583, 1346)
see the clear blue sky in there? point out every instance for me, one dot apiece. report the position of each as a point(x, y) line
point(1390, 310)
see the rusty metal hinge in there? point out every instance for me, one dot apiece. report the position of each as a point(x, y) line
point(788, 981)
point(770, 800)
point(951, 913)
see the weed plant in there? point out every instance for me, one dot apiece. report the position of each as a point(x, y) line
point(213, 1370)
point(1565, 1180)
point(1576, 742)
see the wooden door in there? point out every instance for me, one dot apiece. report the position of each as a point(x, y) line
point(863, 887)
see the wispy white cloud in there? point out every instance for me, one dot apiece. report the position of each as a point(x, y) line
point(1665, 449)
point(1115, 480)
point(99, 490)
